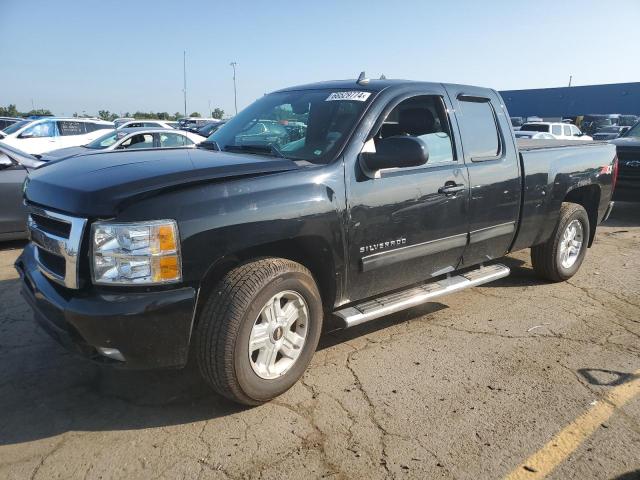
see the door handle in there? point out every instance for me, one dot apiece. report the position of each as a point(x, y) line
point(451, 188)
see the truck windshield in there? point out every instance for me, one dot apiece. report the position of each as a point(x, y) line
point(534, 127)
point(309, 125)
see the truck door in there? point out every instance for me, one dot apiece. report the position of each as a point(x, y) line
point(407, 224)
point(494, 172)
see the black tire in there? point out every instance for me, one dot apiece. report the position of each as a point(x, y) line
point(546, 257)
point(229, 314)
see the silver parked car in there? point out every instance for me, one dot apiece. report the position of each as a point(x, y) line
point(130, 138)
point(14, 168)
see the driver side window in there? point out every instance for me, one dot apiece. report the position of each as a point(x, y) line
point(424, 117)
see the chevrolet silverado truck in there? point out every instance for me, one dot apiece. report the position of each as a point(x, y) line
point(628, 147)
point(234, 253)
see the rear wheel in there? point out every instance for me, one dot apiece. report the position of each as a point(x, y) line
point(259, 329)
point(560, 257)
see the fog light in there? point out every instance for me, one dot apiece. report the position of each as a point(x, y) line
point(112, 353)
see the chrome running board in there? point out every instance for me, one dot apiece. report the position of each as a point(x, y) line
point(396, 302)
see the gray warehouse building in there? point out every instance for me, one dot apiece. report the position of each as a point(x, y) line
point(623, 98)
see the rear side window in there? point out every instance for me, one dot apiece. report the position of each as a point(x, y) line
point(480, 139)
point(67, 128)
point(168, 140)
point(535, 127)
point(142, 140)
point(556, 130)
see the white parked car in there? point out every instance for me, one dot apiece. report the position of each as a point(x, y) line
point(560, 131)
point(147, 124)
point(51, 133)
point(534, 135)
point(130, 138)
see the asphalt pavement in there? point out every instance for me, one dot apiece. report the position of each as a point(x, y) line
point(515, 379)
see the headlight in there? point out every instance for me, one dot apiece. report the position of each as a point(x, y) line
point(144, 253)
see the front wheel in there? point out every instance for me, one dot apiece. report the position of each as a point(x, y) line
point(560, 257)
point(259, 329)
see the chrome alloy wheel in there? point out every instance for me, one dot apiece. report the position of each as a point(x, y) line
point(278, 335)
point(571, 243)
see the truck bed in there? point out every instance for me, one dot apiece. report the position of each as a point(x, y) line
point(544, 165)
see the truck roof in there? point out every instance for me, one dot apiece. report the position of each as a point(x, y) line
point(372, 85)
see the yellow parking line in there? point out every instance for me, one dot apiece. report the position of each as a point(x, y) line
point(542, 463)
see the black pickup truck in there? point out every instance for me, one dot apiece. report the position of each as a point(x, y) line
point(397, 192)
point(628, 146)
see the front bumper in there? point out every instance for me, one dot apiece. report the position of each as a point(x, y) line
point(150, 329)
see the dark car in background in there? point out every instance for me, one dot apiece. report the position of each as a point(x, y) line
point(609, 133)
point(209, 128)
point(263, 132)
point(592, 123)
point(624, 120)
point(628, 148)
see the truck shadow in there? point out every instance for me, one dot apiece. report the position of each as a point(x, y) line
point(521, 275)
point(46, 391)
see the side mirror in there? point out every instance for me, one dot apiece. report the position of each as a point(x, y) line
point(396, 152)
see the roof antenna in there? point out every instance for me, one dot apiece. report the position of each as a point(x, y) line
point(362, 80)
point(382, 77)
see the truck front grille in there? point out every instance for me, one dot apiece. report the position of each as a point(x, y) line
point(628, 164)
point(57, 238)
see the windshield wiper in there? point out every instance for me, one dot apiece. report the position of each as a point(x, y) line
point(255, 150)
point(275, 150)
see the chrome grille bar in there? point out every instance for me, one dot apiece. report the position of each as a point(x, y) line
point(66, 248)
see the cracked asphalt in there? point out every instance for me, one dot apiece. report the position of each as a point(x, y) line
point(465, 388)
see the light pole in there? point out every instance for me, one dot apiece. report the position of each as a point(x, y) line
point(184, 76)
point(235, 94)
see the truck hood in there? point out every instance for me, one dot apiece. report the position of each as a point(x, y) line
point(632, 142)
point(99, 185)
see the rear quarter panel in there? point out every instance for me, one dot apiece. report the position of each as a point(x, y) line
point(550, 174)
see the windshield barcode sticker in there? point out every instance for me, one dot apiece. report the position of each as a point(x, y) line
point(353, 96)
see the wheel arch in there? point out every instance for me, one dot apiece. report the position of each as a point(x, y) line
point(313, 252)
point(588, 196)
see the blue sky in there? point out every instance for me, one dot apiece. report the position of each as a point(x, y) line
point(73, 56)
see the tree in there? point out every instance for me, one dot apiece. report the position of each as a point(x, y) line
point(195, 114)
point(37, 111)
point(9, 111)
point(12, 111)
point(177, 116)
point(107, 115)
point(217, 113)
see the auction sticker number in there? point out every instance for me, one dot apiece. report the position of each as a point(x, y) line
point(353, 96)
